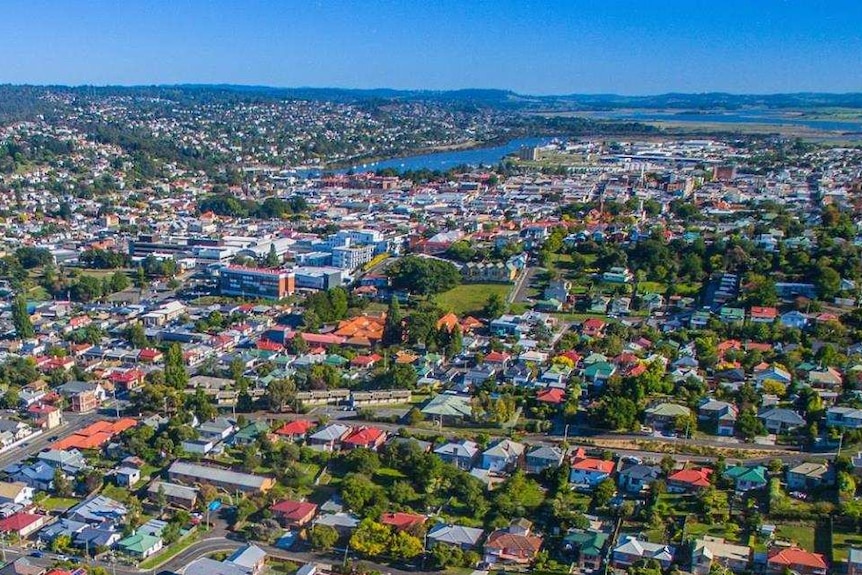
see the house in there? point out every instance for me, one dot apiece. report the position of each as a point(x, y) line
point(760, 314)
point(403, 521)
point(666, 415)
point(217, 429)
point(514, 544)
point(45, 416)
point(544, 457)
point(231, 481)
point(779, 420)
point(294, 514)
point(637, 478)
point(773, 373)
point(810, 475)
point(329, 438)
point(249, 433)
point(599, 373)
point(794, 319)
point(747, 478)
point(504, 455)
point(181, 496)
point(558, 289)
point(127, 476)
point(630, 550)
point(587, 546)
point(551, 396)
point(828, 378)
point(22, 524)
point(83, 396)
point(455, 536)
point(18, 493)
point(39, 476)
point(593, 327)
point(101, 535)
point(461, 454)
point(23, 566)
point(718, 415)
point(711, 551)
point(140, 545)
point(249, 557)
point(295, 430)
point(844, 417)
point(686, 480)
point(97, 509)
point(780, 560)
point(589, 471)
point(342, 522)
point(207, 566)
point(367, 437)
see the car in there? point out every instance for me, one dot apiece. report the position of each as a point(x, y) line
point(37, 554)
point(54, 438)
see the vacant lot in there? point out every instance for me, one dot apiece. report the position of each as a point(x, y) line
point(469, 298)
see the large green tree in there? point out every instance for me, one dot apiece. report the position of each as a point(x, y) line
point(21, 318)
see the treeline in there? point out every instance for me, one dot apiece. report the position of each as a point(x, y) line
point(223, 203)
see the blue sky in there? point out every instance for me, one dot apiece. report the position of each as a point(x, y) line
point(530, 46)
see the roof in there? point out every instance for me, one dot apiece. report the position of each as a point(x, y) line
point(455, 534)
point(400, 520)
point(19, 521)
point(503, 539)
point(204, 472)
point(296, 427)
point(791, 556)
point(294, 510)
point(248, 556)
point(632, 546)
point(139, 542)
point(589, 542)
point(584, 463)
point(553, 395)
point(698, 477)
point(364, 435)
point(446, 404)
point(669, 410)
point(783, 415)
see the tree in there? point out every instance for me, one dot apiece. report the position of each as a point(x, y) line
point(405, 546)
point(370, 538)
point(748, 425)
point(119, 281)
point(62, 485)
point(827, 281)
point(21, 318)
point(393, 328)
point(272, 260)
point(494, 306)
point(323, 537)
point(423, 276)
point(280, 393)
point(87, 288)
point(136, 336)
point(176, 375)
point(604, 492)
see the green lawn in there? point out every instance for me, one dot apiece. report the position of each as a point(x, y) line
point(651, 287)
point(116, 492)
point(169, 551)
point(802, 534)
point(470, 298)
point(58, 503)
point(842, 542)
point(728, 531)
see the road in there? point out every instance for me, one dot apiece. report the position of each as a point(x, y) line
point(519, 290)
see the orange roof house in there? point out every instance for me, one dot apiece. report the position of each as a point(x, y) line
point(448, 321)
point(95, 435)
point(295, 429)
point(361, 328)
point(552, 395)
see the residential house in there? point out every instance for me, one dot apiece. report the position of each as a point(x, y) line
point(504, 455)
point(295, 430)
point(230, 481)
point(688, 480)
point(718, 415)
point(589, 471)
point(666, 415)
point(294, 514)
point(249, 557)
point(18, 493)
point(630, 550)
point(780, 560)
point(747, 478)
point(810, 475)
point(455, 536)
point(587, 546)
point(140, 545)
point(828, 378)
point(514, 544)
point(97, 509)
point(794, 319)
point(844, 417)
point(544, 457)
point(779, 420)
point(854, 561)
point(329, 438)
point(637, 478)
point(22, 524)
point(217, 429)
point(367, 437)
point(181, 496)
point(761, 314)
point(711, 551)
point(462, 454)
point(400, 521)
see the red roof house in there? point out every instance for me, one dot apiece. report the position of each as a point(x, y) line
point(296, 429)
point(782, 559)
point(552, 395)
point(689, 479)
point(402, 521)
point(294, 513)
point(22, 524)
point(368, 437)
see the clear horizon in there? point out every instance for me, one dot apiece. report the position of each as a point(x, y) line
point(532, 48)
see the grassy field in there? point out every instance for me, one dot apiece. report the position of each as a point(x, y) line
point(802, 534)
point(58, 503)
point(469, 298)
point(170, 551)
